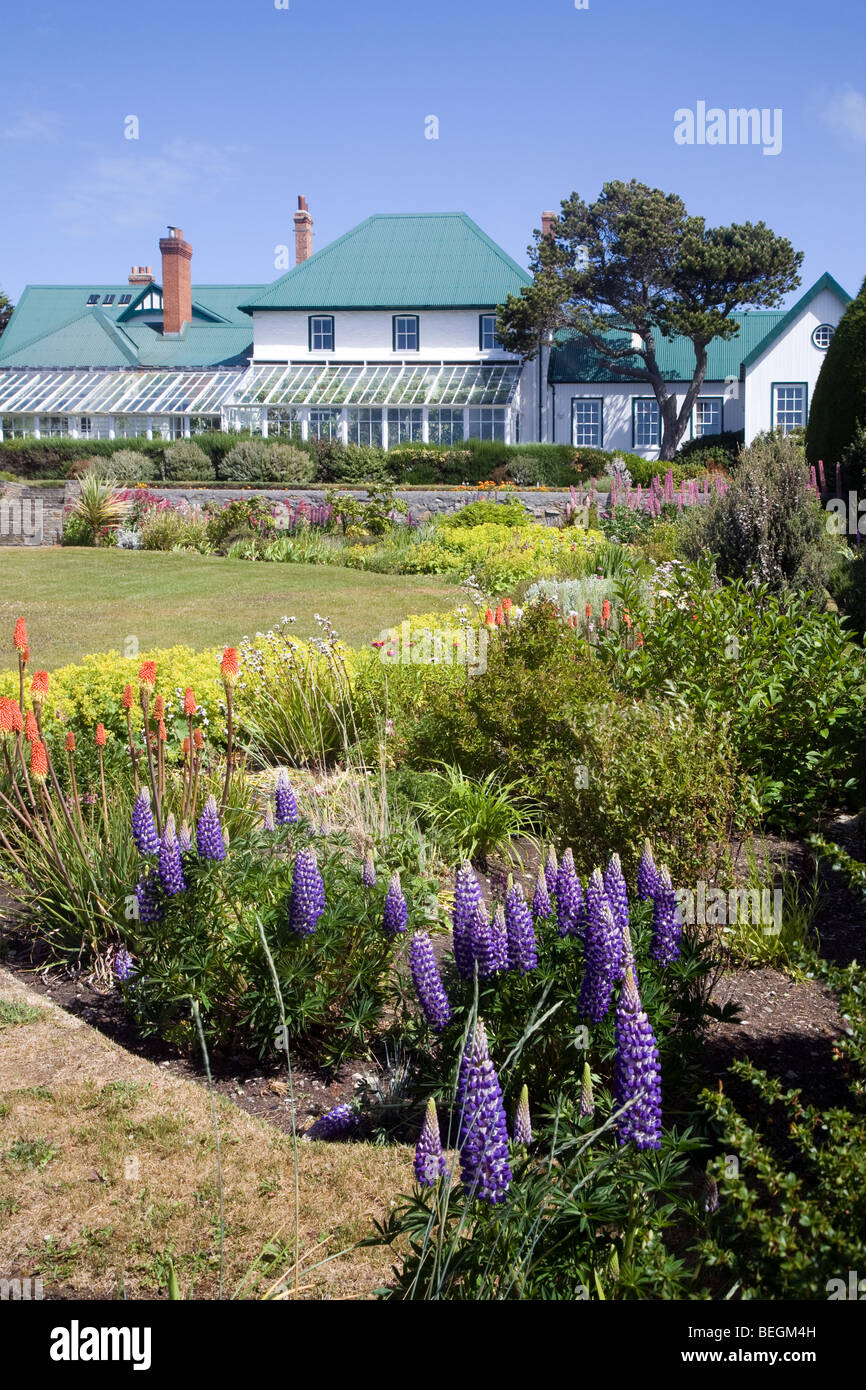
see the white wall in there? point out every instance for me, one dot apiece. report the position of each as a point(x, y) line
point(617, 410)
point(790, 359)
point(366, 335)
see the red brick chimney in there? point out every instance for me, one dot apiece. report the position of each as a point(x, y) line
point(141, 275)
point(176, 286)
point(303, 231)
point(547, 221)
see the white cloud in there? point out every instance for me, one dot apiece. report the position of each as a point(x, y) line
point(42, 126)
point(847, 111)
point(133, 189)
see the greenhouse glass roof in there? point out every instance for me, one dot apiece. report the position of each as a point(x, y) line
point(54, 392)
point(141, 392)
point(434, 383)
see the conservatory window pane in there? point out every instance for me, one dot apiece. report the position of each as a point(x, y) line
point(405, 426)
point(487, 424)
point(365, 426)
point(324, 424)
point(445, 426)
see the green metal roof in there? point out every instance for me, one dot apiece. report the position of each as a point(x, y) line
point(401, 261)
point(574, 359)
point(53, 326)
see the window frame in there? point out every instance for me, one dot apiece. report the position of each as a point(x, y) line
point(707, 400)
point(496, 344)
point(92, 299)
point(320, 318)
point(634, 403)
point(801, 385)
point(822, 347)
point(405, 318)
point(587, 400)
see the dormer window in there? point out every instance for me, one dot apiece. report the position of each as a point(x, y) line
point(321, 333)
point(108, 299)
point(125, 299)
point(93, 299)
point(405, 332)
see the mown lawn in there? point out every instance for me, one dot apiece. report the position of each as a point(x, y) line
point(81, 601)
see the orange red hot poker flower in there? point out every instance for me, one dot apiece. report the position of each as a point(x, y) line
point(127, 697)
point(99, 736)
point(189, 705)
point(229, 665)
point(38, 761)
point(39, 687)
point(5, 715)
point(20, 636)
point(70, 742)
point(147, 675)
point(31, 728)
point(158, 708)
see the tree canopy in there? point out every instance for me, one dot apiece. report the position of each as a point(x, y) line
point(839, 400)
point(5, 312)
point(635, 263)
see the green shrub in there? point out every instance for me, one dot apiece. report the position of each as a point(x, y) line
point(428, 463)
point(53, 458)
point(768, 528)
point(186, 461)
point(165, 528)
point(125, 466)
point(76, 531)
point(508, 512)
point(246, 462)
point(711, 451)
point(847, 584)
point(290, 465)
point(527, 471)
point(838, 402)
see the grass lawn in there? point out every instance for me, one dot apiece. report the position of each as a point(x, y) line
point(81, 601)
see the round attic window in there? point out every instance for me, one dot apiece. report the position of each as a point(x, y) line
point(822, 335)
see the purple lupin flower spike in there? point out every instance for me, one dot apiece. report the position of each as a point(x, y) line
point(667, 923)
point(587, 1099)
point(184, 838)
point(335, 1125)
point(308, 894)
point(523, 1120)
point(429, 1158)
point(368, 872)
point(148, 897)
point(287, 806)
point(427, 981)
point(483, 1140)
point(617, 892)
point(170, 866)
point(481, 938)
point(570, 915)
point(637, 1074)
point(603, 951)
point(647, 873)
point(143, 828)
point(520, 933)
point(396, 913)
point(467, 897)
point(499, 939)
point(541, 898)
point(123, 968)
point(551, 870)
point(268, 822)
point(208, 833)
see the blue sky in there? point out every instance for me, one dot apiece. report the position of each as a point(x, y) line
point(241, 106)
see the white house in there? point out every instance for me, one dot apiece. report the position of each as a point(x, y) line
point(386, 335)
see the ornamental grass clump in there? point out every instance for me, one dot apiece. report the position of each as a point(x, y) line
point(427, 980)
point(483, 1138)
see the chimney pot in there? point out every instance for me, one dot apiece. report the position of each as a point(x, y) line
point(140, 275)
point(303, 231)
point(176, 285)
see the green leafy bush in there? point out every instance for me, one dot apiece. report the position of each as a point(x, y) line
point(508, 512)
point(768, 528)
point(76, 530)
point(838, 402)
point(246, 462)
point(125, 466)
point(186, 461)
point(290, 465)
point(712, 451)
